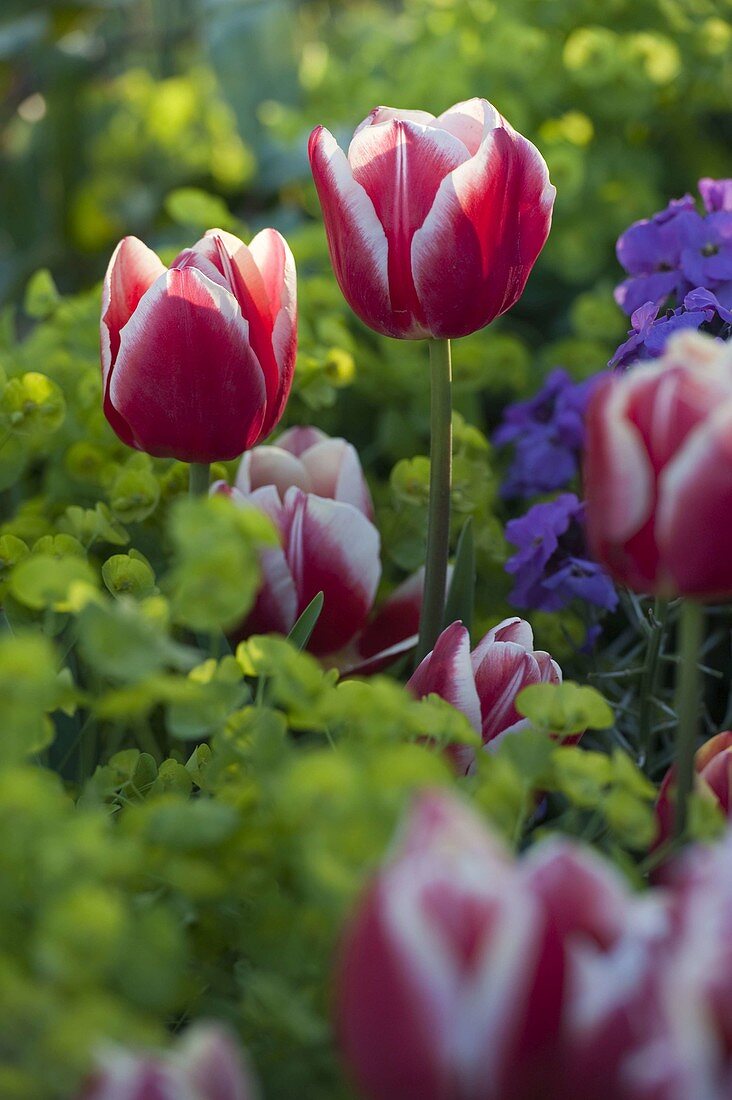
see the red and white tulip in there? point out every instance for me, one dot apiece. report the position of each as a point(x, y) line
point(433, 224)
point(207, 1064)
point(658, 472)
point(198, 358)
point(712, 780)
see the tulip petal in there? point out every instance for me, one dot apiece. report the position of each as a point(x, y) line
point(186, 381)
point(267, 465)
point(335, 471)
point(356, 239)
point(400, 165)
point(513, 629)
point(387, 114)
point(694, 515)
point(276, 606)
point(446, 671)
point(132, 270)
point(501, 673)
point(332, 548)
point(470, 121)
point(298, 439)
point(272, 255)
point(619, 485)
point(488, 224)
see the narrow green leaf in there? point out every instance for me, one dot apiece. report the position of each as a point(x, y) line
point(461, 596)
point(305, 625)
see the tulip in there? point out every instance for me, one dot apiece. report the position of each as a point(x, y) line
point(450, 978)
point(433, 224)
point(326, 546)
point(484, 684)
point(712, 780)
point(312, 461)
point(658, 472)
point(465, 975)
point(206, 1065)
point(197, 359)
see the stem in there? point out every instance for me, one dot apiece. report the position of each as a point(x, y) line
point(649, 678)
point(691, 628)
point(199, 475)
point(438, 523)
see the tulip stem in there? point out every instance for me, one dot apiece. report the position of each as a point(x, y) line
point(438, 522)
point(691, 629)
point(199, 475)
point(649, 679)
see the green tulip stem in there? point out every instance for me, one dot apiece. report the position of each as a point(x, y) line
point(438, 521)
point(691, 632)
point(199, 475)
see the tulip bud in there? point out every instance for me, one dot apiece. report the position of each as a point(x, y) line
point(197, 359)
point(206, 1065)
point(450, 979)
point(713, 780)
point(433, 224)
point(484, 684)
point(658, 472)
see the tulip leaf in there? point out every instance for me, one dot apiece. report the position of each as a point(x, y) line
point(305, 625)
point(461, 594)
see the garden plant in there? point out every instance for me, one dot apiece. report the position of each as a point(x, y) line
point(366, 550)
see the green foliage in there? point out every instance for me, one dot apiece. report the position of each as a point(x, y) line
point(564, 709)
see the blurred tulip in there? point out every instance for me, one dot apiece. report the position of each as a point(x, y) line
point(466, 975)
point(206, 1065)
point(326, 546)
point(197, 359)
point(312, 461)
point(484, 684)
point(450, 980)
point(713, 779)
point(658, 472)
point(433, 224)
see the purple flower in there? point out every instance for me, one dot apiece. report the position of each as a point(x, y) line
point(678, 249)
point(647, 338)
point(548, 433)
point(552, 566)
point(716, 194)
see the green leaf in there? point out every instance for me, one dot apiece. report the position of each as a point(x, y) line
point(461, 595)
point(129, 574)
point(193, 208)
point(41, 295)
point(305, 625)
point(564, 709)
point(44, 581)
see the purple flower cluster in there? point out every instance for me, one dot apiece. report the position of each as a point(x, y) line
point(679, 264)
point(552, 565)
point(547, 432)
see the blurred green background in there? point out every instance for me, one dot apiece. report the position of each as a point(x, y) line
point(108, 106)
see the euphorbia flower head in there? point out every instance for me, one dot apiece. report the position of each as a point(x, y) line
point(658, 472)
point(433, 224)
point(197, 359)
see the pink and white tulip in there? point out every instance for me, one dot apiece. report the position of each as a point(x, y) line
point(658, 472)
point(207, 1064)
point(198, 358)
point(433, 224)
point(484, 684)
